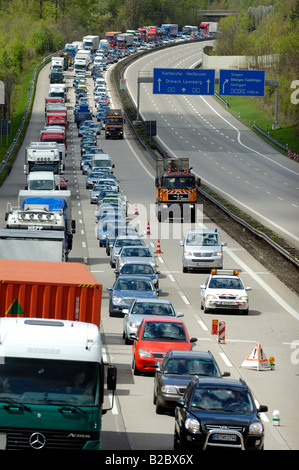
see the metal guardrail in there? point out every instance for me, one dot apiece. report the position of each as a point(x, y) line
point(21, 126)
point(256, 232)
point(274, 141)
point(286, 254)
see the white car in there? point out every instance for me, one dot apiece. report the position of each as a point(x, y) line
point(224, 292)
point(145, 307)
point(202, 249)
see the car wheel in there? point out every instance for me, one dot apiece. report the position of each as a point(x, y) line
point(159, 408)
point(176, 442)
point(245, 312)
point(135, 370)
point(154, 397)
point(185, 270)
point(127, 340)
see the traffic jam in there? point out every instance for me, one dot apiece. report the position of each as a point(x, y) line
point(210, 409)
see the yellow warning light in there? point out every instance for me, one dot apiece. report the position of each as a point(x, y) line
point(236, 272)
point(214, 271)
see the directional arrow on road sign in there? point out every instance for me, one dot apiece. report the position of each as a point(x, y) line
point(242, 82)
point(184, 81)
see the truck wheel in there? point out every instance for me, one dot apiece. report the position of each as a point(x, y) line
point(159, 216)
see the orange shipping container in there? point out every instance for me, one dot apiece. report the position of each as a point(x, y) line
point(46, 289)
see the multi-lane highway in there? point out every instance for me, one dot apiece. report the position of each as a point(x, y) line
point(227, 155)
point(273, 318)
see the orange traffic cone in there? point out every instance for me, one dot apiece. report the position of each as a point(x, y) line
point(148, 232)
point(158, 250)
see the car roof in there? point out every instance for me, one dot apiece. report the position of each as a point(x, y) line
point(137, 246)
point(139, 263)
point(195, 354)
point(135, 277)
point(130, 237)
point(162, 319)
point(154, 301)
point(220, 382)
point(205, 230)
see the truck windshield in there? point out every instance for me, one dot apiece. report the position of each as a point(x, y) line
point(182, 182)
point(42, 381)
point(42, 184)
point(53, 167)
point(114, 120)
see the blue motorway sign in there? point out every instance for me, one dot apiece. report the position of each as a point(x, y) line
point(184, 81)
point(242, 82)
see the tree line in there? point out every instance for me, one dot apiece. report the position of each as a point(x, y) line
point(31, 29)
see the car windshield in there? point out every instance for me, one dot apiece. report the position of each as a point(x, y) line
point(164, 331)
point(37, 381)
point(153, 308)
point(142, 252)
point(133, 284)
point(197, 239)
point(225, 283)
point(137, 269)
point(191, 366)
point(221, 398)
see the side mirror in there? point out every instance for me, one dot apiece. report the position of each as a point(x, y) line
point(133, 336)
point(193, 340)
point(111, 377)
point(262, 409)
point(181, 243)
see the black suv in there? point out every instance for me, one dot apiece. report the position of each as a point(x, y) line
point(218, 412)
point(176, 371)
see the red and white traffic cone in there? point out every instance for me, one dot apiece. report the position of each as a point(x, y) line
point(136, 210)
point(158, 250)
point(148, 232)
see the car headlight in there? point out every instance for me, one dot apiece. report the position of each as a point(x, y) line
point(256, 428)
point(169, 389)
point(218, 253)
point(244, 298)
point(211, 297)
point(192, 425)
point(144, 353)
point(187, 254)
point(117, 300)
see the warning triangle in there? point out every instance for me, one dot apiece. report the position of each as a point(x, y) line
point(14, 309)
point(257, 359)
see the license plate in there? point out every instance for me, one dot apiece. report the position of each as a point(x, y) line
point(202, 263)
point(226, 303)
point(224, 437)
point(3, 440)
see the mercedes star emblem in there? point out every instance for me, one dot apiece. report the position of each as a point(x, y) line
point(37, 440)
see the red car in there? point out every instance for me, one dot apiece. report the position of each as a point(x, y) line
point(63, 182)
point(155, 337)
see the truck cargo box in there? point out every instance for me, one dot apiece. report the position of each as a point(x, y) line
point(53, 290)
